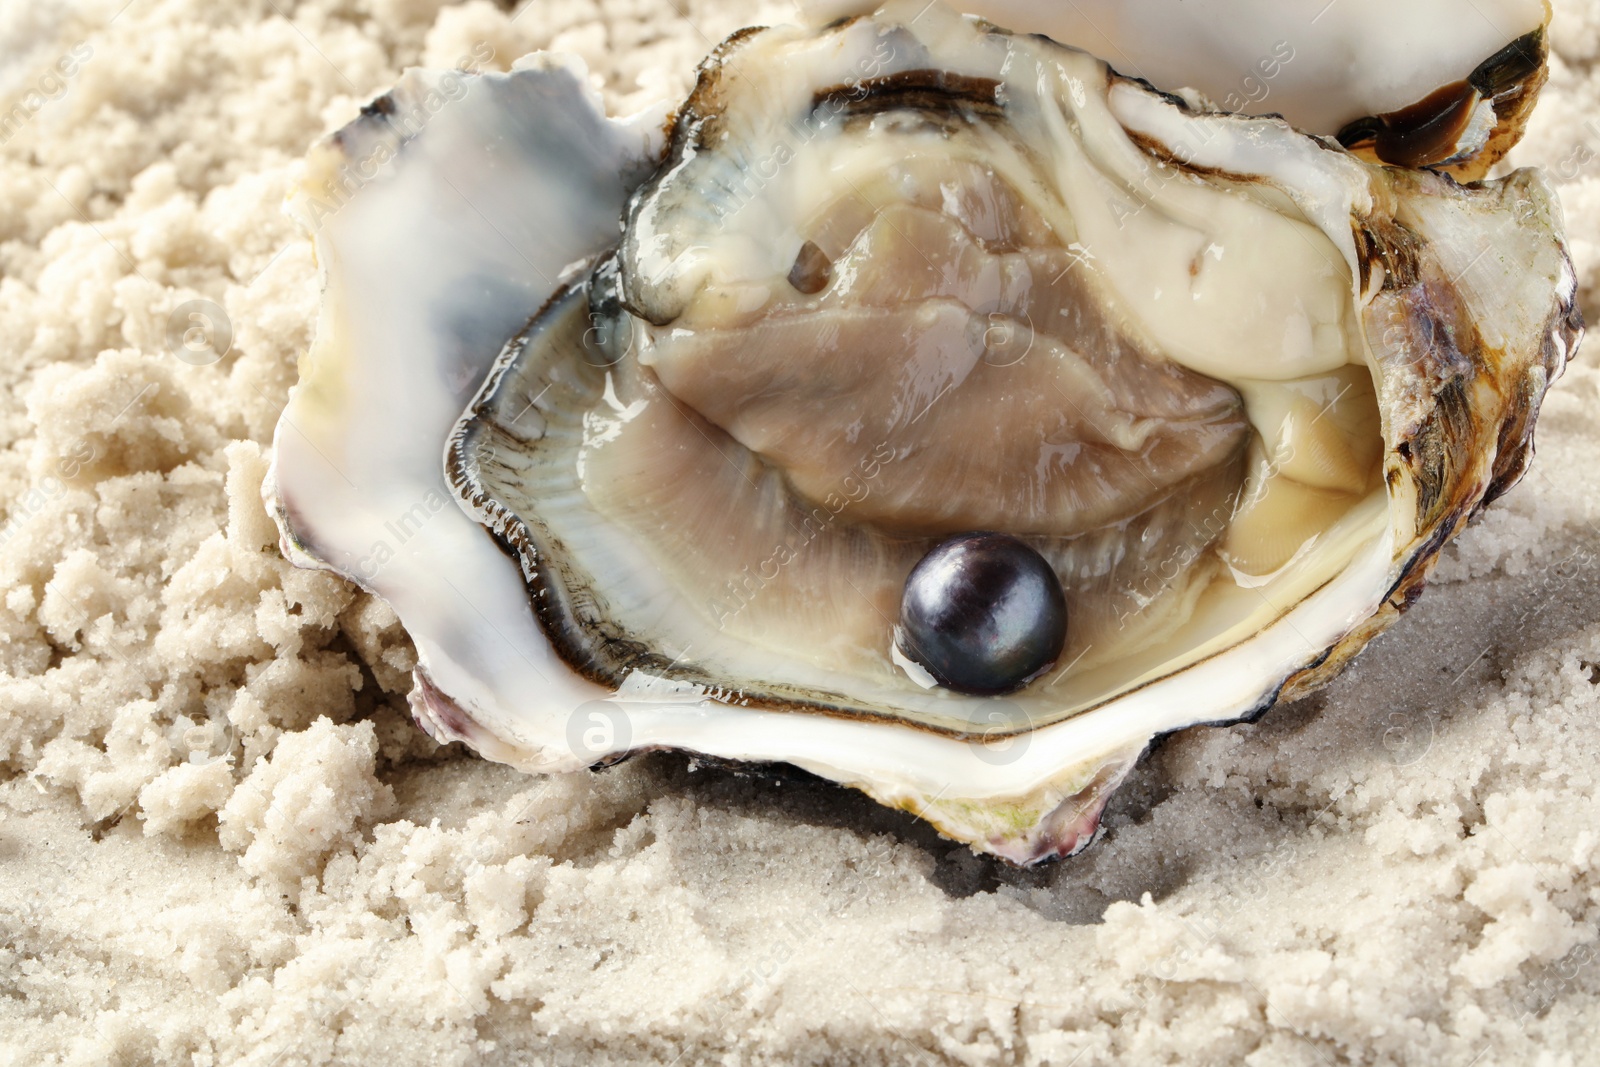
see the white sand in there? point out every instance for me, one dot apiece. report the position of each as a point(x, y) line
point(1400, 871)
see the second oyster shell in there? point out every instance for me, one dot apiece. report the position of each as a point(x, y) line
point(1444, 84)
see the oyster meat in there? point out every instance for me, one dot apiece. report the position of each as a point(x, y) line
point(889, 284)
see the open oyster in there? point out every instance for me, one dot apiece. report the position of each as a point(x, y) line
point(903, 280)
point(1445, 84)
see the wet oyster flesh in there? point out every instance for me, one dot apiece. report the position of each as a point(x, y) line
point(905, 278)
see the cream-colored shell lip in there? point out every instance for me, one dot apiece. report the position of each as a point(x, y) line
point(362, 441)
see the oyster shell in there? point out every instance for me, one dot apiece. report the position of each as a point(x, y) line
point(443, 217)
point(1446, 84)
point(1341, 360)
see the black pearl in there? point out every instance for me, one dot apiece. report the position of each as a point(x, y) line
point(983, 613)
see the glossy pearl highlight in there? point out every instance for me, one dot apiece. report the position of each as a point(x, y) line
point(983, 613)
